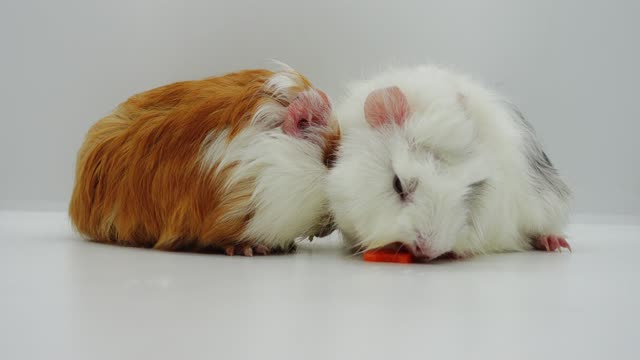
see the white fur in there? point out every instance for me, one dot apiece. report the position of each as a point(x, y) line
point(285, 85)
point(290, 195)
point(289, 199)
point(458, 133)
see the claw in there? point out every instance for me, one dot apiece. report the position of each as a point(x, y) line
point(565, 244)
point(544, 241)
point(261, 250)
point(551, 243)
point(229, 250)
point(247, 251)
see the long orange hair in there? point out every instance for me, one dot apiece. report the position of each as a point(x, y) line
point(139, 178)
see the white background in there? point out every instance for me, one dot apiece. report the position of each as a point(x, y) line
point(65, 298)
point(571, 66)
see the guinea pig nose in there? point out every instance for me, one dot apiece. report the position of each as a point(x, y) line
point(419, 249)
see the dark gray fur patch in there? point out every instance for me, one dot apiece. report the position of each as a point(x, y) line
point(473, 198)
point(476, 191)
point(543, 175)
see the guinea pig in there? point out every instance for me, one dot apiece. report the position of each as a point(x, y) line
point(235, 163)
point(434, 162)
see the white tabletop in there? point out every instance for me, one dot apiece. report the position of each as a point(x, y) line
point(65, 298)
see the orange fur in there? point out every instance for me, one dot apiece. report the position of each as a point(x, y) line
point(139, 181)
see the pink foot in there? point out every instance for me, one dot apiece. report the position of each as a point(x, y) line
point(551, 243)
point(246, 250)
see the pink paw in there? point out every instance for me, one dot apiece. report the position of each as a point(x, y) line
point(551, 243)
point(246, 250)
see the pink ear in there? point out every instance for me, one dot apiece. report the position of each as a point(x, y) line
point(307, 111)
point(296, 121)
point(386, 105)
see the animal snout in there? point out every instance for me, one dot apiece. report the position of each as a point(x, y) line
point(421, 248)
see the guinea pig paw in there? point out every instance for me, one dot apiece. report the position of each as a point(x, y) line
point(551, 243)
point(246, 250)
point(261, 250)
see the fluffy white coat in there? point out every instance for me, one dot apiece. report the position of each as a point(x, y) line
point(475, 177)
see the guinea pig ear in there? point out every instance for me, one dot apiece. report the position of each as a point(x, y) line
point(308, 111)
point(386, 105)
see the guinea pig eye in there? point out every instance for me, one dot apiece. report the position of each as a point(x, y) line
point(397, 186)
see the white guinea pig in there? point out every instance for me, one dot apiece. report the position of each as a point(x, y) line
point(435, 162)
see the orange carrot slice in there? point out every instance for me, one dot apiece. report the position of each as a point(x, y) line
point(388, 255)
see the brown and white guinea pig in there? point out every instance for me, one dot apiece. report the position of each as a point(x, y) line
point(433, 161)
point(237, 163)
